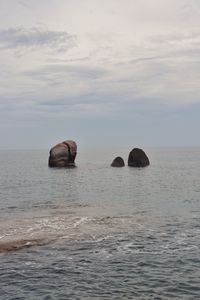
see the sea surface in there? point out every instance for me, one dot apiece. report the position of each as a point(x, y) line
point(97, 232)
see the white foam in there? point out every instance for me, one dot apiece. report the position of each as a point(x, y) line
point(81, 221)
point(3, 236)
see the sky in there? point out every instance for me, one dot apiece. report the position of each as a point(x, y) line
point(107, 74)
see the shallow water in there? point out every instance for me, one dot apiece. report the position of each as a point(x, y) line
point(99, 232)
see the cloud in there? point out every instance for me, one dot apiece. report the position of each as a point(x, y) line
point(24, 4)
point(35, 38)
point(56, 72)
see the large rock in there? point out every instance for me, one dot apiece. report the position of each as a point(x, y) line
point(118, 162)
point(63, 154)
point(138, 158)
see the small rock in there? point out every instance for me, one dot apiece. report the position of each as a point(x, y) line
point(118, 162)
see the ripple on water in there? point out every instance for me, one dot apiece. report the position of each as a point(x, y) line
point(100, 233)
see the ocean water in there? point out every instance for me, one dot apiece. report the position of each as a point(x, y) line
point(96, 232)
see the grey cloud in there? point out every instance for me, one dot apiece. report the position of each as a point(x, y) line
point(33, 38)
point(24, 4)
point(143, 59)
point(75, 60)
point(58, 73)
point(190, 38)
point(71, 103)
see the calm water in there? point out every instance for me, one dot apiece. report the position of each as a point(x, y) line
point(101, 232)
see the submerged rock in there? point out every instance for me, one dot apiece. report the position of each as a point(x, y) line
point(15, 245)
point(63, 154)
point(118, 162)
point(138, 158)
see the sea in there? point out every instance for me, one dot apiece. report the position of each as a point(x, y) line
point(98, 232)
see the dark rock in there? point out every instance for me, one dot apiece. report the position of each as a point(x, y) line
point(63, 154)
point(138, 158)
point(118, 162)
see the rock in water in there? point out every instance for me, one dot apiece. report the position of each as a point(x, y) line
point(118, 162)
point(63, 154)
point(138, 158)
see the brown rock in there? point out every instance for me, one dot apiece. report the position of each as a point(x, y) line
point(63, 154)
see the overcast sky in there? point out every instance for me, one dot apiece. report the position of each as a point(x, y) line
point(107, 73)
